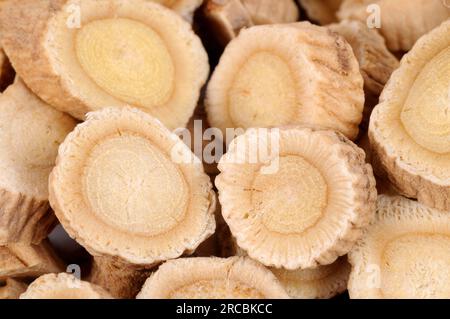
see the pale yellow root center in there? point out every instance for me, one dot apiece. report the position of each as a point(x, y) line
point(291, 200)
point(216, 289)
point(263, 93)
point(128, 60)
point(416, 266)
point(132, 185)
point(426, 114)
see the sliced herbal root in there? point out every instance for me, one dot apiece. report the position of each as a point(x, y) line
point(226, 18)
point(30, 132)
point(410, 128)
point(212, 278)
point(121, 53)
point(63, 286)
point(261, 80)
point(323, 282)
point(271, 11)
point(403, 253)
point(375, 60)
point(11, 289)
point(402, 22)
point(321, 11)
point(132, 192)
point(23, 260)
point(302, 201)
point(185, 8)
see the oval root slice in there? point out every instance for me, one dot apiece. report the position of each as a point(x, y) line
point(212, 278)
point(295, 197)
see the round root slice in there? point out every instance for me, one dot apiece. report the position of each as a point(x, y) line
point(24, 261)
point(212, 278)
point(30, 132)
point(125, 186)
point(375, 60)
point(110, 53)
point(271, 11)
point(323, 282)
point(11, 289)
point(322, 11)
point(410, 129)
point(403, 253)
point(401, 22)
point(185, 8)
point(295, 197)
point(63, 286)
point(226, 18)
point(287, 74)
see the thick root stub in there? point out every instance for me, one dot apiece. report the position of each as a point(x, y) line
point(63, 286)
point(410, 128)
point(261, 80)
point(401, 22)
point(299, 203)
point(114, 53)
point(11, 288)
point(403, 253)
point(212, 278)
point(28, 261)
point(321, 11)
point(126, 187)
point(30, 132)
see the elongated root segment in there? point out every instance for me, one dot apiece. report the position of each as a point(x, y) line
point(114, 53)
point(302, 202)
point(215, 278)
point(63, 286)
point(409, 129)
point(261, 80)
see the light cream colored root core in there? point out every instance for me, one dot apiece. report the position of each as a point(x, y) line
point(212, 278)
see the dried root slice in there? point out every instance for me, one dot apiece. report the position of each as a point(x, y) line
point(302, 201)
point(402, 22)
point(63, 286)
point(261, 80)
point(30, 132)
point(212, 278)
point(322, 11)
point(226, 18)
point(125, 52)
point(271, 11)
point(11, 289)
point(410, 128)
point(23, 260)
point(403, 253)
point(126, 187)
point(185, 8)
point(375, 60)
point(323, 282)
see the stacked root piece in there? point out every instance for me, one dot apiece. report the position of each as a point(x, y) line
point(94, 94)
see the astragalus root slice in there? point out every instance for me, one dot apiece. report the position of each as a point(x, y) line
point(322, 282)
point(63, 286)
point(271, 11)
point(410, 128)
point(402, 22)
point(11, 288)
point(185, 8)
point(226, 18)
point(295, 197)
point(23, 260)
point(287, 74)
point(322, 11)
point(122, 52)
point(403, 253)
point(212, 278)
point(375, 60)
point(30, 132)
point(132, 193)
